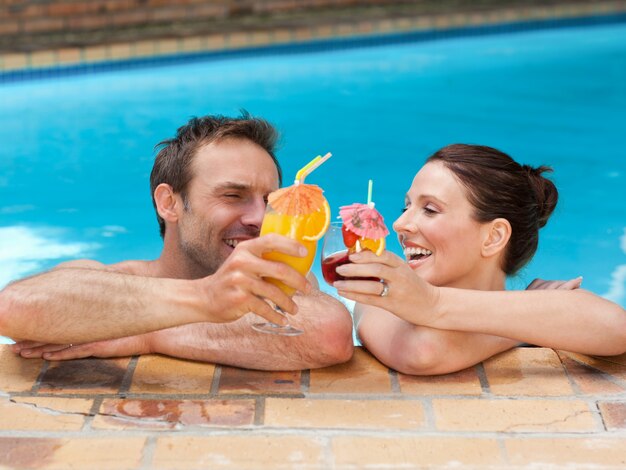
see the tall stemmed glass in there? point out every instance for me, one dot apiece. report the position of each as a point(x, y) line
point(300, 212)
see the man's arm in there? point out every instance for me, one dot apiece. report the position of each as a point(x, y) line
point(83, 304)
point(327, 340)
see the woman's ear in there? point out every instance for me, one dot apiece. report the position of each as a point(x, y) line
point(497, 236)
point(166, 202)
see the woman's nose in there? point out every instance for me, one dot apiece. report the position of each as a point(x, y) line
point(405, 223)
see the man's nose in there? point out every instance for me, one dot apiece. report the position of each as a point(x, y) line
point(254, 214)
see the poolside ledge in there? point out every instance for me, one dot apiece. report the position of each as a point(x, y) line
point(529, 407)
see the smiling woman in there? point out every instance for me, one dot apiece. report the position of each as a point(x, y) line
point(473, 214)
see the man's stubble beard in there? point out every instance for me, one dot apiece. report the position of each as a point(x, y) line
point(202, 252)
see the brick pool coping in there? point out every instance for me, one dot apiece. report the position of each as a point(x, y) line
point(528, 407)
point(295, 35)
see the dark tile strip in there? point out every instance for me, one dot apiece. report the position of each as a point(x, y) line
point(482, 377)
point(215, 384)
point(44, 368)
point(259, 411)
point(128, 376)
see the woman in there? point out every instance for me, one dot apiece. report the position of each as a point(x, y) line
point(471, 219)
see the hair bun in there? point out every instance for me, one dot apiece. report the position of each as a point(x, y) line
point(545, 191)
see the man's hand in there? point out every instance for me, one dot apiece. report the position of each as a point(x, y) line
point(564, 285)
point(129, 346)
point(239, 286)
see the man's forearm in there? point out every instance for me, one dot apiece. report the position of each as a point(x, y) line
point(327, 339)
point(75, 305)
point(572, 320)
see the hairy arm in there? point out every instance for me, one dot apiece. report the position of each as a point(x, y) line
point(86, 302)
point(419, 350)
point(327, 340)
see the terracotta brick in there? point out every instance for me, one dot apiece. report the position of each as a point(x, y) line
point(42, 58)
point(192, 44)
point(269, 452)
point(358, 414)
point(95, 53)
point(465, 382)
point(590, 381)
point(173, 414)
point(236, 40)
point(529, 372)
point(613, 415)
point(167, 46)
point(161, 374)
point(612, 365)
point(415, 452)
point(102, 453)
point(17, 374)
point(215, 42)
point(9, 27)
point(144, 48)
point(244, 381)
point(120, 51)
point(13, 62)
point(362, 374)
point(583, 452)
point(69, 56)
point(83, 376)
point(39, 25)
point(43, 413)
point(513, 415)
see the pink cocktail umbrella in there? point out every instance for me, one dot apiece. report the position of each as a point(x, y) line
point(363, 220)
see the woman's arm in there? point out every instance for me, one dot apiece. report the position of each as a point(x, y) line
point(419, 350)
point(574, 320)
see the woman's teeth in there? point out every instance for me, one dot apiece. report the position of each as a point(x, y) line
point(412, 253)
point(231, 242)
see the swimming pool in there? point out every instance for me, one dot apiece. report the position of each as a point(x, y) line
point(77, 150)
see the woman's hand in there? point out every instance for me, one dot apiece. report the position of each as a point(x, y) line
point(406, 295)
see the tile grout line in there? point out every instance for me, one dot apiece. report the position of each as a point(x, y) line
point(484, 382)
point(147, 454)
point(93, 412)
point(44, 368)
point(128, 377)
point(394, 381)
point(259, 411)
point(305, 381)
point(215, 383)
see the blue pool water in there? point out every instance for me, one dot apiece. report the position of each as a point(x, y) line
point(77, 151)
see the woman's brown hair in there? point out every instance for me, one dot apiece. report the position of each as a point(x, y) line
point(499, 187)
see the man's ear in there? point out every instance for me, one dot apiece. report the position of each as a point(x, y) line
point(167, 203)
point(498, 234)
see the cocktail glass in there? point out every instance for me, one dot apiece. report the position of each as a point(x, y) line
point(301, 213)
point(362, 228)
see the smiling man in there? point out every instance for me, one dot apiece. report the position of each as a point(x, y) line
point(209, 186)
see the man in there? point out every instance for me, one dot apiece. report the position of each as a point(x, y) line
point(209, 185)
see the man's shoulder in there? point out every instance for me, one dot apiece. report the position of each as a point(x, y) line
point(135, 267)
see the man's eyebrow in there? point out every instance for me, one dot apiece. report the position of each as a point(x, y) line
point(232, 186)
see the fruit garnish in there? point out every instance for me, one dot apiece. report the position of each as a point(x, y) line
point(377, 246)
point(349, 238)
point(316, 223)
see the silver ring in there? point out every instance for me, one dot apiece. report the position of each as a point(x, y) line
point(385, 291)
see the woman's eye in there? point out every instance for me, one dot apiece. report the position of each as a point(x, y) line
point(429, 210)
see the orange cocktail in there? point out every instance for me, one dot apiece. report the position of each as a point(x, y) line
point(303, 228)
point(300, 212)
